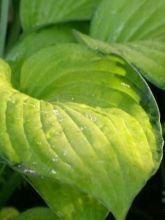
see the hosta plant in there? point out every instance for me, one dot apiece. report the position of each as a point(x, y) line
point(77, 118)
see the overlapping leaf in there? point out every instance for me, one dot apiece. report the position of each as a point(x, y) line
point(138, 28)
point(36, 40)
point(8, 213)
point(87, 121)
point(67, 201)
point(38, 13)
point(39, 213)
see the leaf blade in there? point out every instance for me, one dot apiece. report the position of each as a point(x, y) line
point(34, 13)
point(73, 134)
point(134, 28)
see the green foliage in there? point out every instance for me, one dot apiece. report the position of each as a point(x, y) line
point(72, 136)
point(79, 121)
point(37, 40)
point(9, 180)
point(36, 14)
point(135, 29)
point(8, 213)
point(39, 213)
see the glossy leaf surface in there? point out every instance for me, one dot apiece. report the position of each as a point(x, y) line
point(136, 29)
point(34, 41)
point(84, 120)
point(38, 13)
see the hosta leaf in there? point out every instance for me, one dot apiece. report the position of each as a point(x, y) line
point(148, 56)
point(38, 13)
point(8, 213)
point(34, 41)
point(68, 202)
point(129, 20)
point(87, 120)
point(39, 213)
point(138, 28)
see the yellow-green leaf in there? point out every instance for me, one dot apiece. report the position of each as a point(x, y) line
point(82, 119)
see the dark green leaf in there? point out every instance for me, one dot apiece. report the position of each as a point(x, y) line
point(39, 213)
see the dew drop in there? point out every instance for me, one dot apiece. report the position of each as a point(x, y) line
point(125, 85)
point(19, 166)
point(12, 101)
point(57, 114)
point(58, 133)
point(54, 159)
point(81, 128)
point(65, 153)
point(27, 171)
point(59, 214)
point(30, 172)
point(119, 29)
point(68, 165)
point(53, 172)
point(32, 105)
point(91, 116)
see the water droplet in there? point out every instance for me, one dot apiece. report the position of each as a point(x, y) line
point(65, 153)
point(54, 159)
point(125, 85)
point(59, 214)
point(57, 114)
point(58, 133)
point(30, 172)
point(72, 98)
point(68, 165)
point(12, 100)
point(53, 172)
point(119, 29)
point(81, 128)
point(91, 116)
point(31, 104)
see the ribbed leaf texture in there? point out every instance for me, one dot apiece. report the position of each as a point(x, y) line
point(81, 124)
point(136, 29)
point(32, 42)
point(36, 13)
